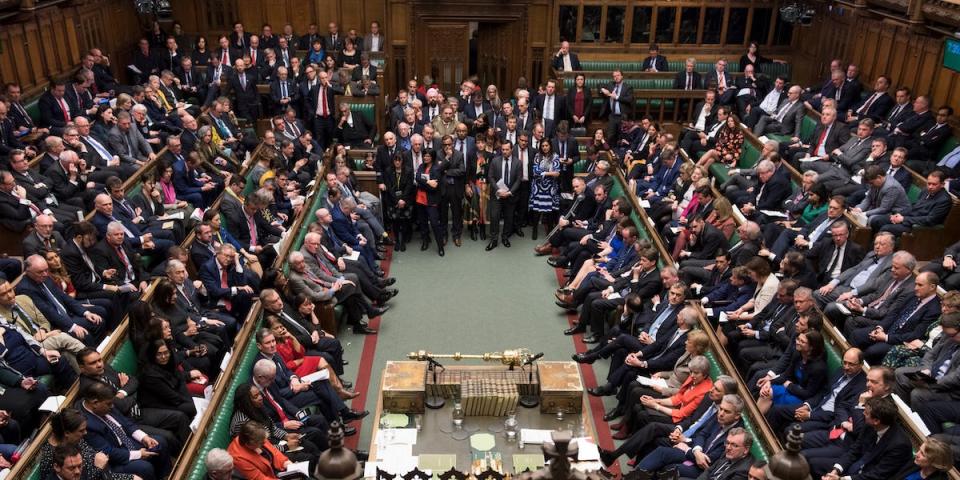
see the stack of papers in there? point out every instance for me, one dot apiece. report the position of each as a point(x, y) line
point(397, 436)
point(530, 435)
point(649, 382)
point(587, 451)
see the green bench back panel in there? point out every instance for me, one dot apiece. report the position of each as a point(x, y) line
point(807, 127)
point(33, 109)
point(949, 145)
point(126, 359)
point(248, 186)
point(913, 193)
point(369, 110)
point(581, 165)
point(218, 432)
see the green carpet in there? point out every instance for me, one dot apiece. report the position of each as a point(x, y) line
point(471, 301)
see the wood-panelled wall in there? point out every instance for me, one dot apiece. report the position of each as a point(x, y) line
point(50, 41)
point(878, 45)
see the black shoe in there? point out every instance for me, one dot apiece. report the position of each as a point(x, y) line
point(381, 249)
point(425, 245)
point(389, 281)
point(611, 415)
point(591, 339)
point(506, 242)
point(362, 455)
point(518, 232)
point(386, 241)
point(473, 232)
point(345, 362)
point(536, 230)
point(607, 457)
point(376, 312)
point(601, 391)
point(493, 244)
point(557, 262)
point(380, 273)
point(380, 256)
point(575, 330)
point(349, 430)
point(364, 330)
point(346, 384)
point(402, 247)
point(483, 232)
point(584, 358)
point(440, 250)
point(566, 306)
point(390, 292)
point(350, 414)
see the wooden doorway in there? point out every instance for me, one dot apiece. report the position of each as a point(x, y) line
point(447, 53)
point(499, 44)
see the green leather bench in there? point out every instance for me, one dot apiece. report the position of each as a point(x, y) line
point(218, 433)
point(757, 450)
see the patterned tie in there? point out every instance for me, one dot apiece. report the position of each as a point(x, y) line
point(122, 436)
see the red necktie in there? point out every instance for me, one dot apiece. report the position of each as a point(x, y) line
point(223, 284)
point(253, 231)
point(63, 106)
point(224, 60)
point(324, 267)
point(123, 257)
point(253, 56)
point(276, 406)
point(823, 135)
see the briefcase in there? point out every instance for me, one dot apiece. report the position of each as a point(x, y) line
point(404, 384)
point(561, 387)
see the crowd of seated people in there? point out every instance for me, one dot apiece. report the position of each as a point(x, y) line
point(769, 291)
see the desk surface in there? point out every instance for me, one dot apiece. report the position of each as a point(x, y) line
point(438, 436)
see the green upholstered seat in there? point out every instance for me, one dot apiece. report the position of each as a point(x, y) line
point(749, 155)
point(369, 110)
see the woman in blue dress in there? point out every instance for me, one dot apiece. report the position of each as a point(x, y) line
point(545, 188)
point(805, 376)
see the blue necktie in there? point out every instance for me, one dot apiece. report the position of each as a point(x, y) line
point(659, 321)
point(914, 305)
point(688, 433)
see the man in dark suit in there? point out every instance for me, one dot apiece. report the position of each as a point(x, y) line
point(876, 106)
point(617, 104)
point(709, 240)
point(689, 78)
point(243, 85)
point(172, 425)
point(16, 213)
point(112, 253)
point(38, 189)
point(306, 40)
point(141, 242)
point(873, 301)
point(145, 62)
point(131, 450)
point(768, 193)
point(923, 147)
point(912, 125)
point(722, 81)
point(83, 322)
point(946, 267)
point(829, 407)
point(504, 177)
point(354, 129)
point(736, 460)
point(54, 111)
point(226, 283)
point(941, 363)
point(706, 446)
point(788, 118)
point(321, 109)
point(283, 92)
point(192, 82)
point(43, 238)
point(249, 227)
point(565, 60)
point(930, 209)
point(76, 255)
point(453, 165)
point(333, 42)
point(767, 103)
point(566, 147)
point(827, 137)
point(835, 253)
point(654, 62)
point(239, 39)
point(750, 89)
point(550, 108)
point(839, 90)
point(880, 451)
point(904, 325)
point(899, 111)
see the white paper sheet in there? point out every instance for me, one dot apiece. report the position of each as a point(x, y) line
point(317, 376)
point(530, 435)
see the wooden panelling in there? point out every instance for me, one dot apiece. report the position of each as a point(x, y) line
point(49, 42)
point(880, 45)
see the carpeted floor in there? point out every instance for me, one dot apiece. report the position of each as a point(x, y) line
point(471, 301)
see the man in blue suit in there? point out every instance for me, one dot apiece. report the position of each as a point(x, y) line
point(227, 284)
point(880, 451)
point(691, 458)
point(130, 449)
point(903, 325)
point(663, 178)
point(84, 322)
point(343, 225)
point(144, 243)
point(930, 209)
point(829, 407)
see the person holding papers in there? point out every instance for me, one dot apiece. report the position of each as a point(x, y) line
point(254, 458)
point(306, 364)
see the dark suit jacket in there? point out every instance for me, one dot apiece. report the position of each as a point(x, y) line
point(557, 63)
point(559, 107)
point(210, 276)
point(244, 96)
point(735, 470)
point(105, 257)
point(680, 80)
point(34, 244)
point(38, 294)
point(111, 377)
point(837, 135)
point(822, 252)
point(625, 99)
point(845, 400)
point(870, 459)
point(313, 101)
point(495, 174)
point(916, 123)
point(916, 325)
point(878, 109)
point(51, 113)
point(102, 438)
point(929, 210)
point(713, 79)
point(660, 62)
point(775, 192)
point(83, 279)
point(708, 242)
point(14, 216)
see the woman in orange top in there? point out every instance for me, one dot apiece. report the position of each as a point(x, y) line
point(297, 359)
point(254, 458)
point(671, 409)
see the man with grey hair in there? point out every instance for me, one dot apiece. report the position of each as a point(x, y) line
point(692, 455)
point(113, 253)
point(768, 192)
point(219, 464)
point(740, 178)
point(84, 322)
point(188, 301)
point(866, 275)
point(656, 434)
point(226, 283)
point(736, 458)
point(869, 306)
point(128, 143)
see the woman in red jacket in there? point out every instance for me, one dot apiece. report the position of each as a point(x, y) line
point(254, 457)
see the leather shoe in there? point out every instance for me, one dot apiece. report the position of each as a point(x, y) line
point(506, 242)
point(591, 339)
point(601, 391)
point(349, 430)
point(402, 247)
point(457, 242)
point(425, 245)
point(350, 414)
point(381, 249)
point(574, 330)
point(616, 427)
point(391, 292)
point(583, 358)
point(612, 414)
point(364, 330)
point(621, 435)
point(518, 232)
point(440, 250)
point(389, 281)
point(566, 306)
point(362, 455)
point(380, 256)
point(378, 311)
point(346, 384)
point(493, 244)
point(566, 298)
point(607, 457)
point(386, 241)
point(544, 249)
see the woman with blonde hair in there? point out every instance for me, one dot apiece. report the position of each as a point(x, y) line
point(932, 461)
